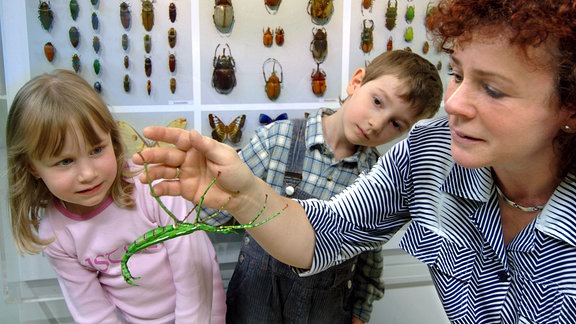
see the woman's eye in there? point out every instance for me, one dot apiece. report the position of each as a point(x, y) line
point(493, 92)
point(457, 77)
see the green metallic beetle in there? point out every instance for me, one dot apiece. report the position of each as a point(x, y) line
point(180, 228)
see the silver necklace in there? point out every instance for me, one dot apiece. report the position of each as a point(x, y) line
point(529, 209)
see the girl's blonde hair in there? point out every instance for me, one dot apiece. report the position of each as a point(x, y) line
point(43, 112)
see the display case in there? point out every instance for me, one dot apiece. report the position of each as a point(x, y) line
point(203, 48)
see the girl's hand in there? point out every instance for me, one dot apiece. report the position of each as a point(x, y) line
point(195, 160)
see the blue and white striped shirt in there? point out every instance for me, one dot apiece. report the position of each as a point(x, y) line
point(456, 230)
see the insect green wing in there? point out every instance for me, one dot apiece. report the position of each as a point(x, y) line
point(180, 228)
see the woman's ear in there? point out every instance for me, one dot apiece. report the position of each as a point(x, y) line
point(570, 123)
point(355, 81)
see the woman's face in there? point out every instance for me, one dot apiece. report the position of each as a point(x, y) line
point(503, 111)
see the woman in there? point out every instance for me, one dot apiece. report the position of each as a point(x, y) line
point(489, 189)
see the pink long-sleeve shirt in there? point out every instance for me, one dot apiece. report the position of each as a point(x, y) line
point(180, 279)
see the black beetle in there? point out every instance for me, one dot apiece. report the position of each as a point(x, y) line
point(319, 44)
point(224, 76)
point(172, 12)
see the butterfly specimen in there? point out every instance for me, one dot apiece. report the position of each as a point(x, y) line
point(135, 142)
point(221, 131)
point(265, 119)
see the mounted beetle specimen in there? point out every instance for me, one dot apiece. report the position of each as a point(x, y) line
point(148, 66)
point(45, 15)
point(74, 9)
point(126, 61)
point(95, 21)
point(149, 86)
point(409, 34)
point(96, 66)
point(223, 16)
point(98, 87)
point(272, 6)
point(391, 13)
point(126, 83)
point(390, 44)
point(224, 75)
point(172, 85)
point(409, 14)
point(125, 15)
point(74, 36)
point(366, 5)
point(267, 38)
point(319, 44)
point(96, 44)
point(367, 36)
point(76, 63)
point(49, 51)
point(273, 82)
point(425, 47)
point(95, 3)
point(320, 11)
point(172, 62)
point(125, 41)
point(147, 14)
point(172, 37)
point(318, 81)
point(172, 12)
point(147, 43)
point(279, 36)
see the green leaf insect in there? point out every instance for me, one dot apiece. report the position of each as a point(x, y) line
point(180, 227)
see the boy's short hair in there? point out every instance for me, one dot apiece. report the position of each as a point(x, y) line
point(424, 88)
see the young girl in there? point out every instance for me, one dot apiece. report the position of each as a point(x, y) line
point(72, 196)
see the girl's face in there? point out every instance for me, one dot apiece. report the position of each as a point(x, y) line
point(373, 112)
point(502, 109)
point(80, 175)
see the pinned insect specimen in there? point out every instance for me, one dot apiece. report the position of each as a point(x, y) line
point(318, 81)
point(425, 47)
point(76, 63)
point(391, 13)
point(98, 86)
point(126, 61)
point(125, 41)
point(232, 131)
point(74, 36)
point(223, 16)
point(148, 66)
point(390, 44)
point(172, 12)
point(147, 15)
point(224, 74)
point(181, 227)
point(409, 34)
point(367, 38)
point(95, 21)
point(45, 15)
point(149, 86)
point(366, 5)
point(272, 6)
point(96, 66)
point(265, 119)
point(279, 38)
point(409, 14)
point(172, 85)
point(96, 44)
point(135, 142)
point(49, 51)
point(273, 82)
point(95, 3)
point(172, 37)
point(319, 44)
point(267, 38)
point(320, 11)
point(126, 83)
point(172, 62)
point(147, 43)
point(74, 9)
point(125, 15)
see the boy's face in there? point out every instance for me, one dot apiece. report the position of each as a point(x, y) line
point(374, 114)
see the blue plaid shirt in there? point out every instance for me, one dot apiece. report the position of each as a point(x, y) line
point(322, 177)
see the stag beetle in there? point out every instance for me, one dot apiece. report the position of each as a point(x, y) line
point(273, 83)
point(367, 37)
point(320, 11)
point(223, 77)
point(319, 44)
point(223, 16)
point(318, 81)
point(391, 13)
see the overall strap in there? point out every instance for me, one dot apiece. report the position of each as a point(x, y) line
point(295, 163)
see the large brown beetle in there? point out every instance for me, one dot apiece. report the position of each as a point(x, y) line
point(224, 75)
point(172, 62)
point(320, 11)
point(223, 16)
point(267, 37)
point(391, 13)
point(49, 51)
point(319, 44)
point(172, 12)
point(318, 81)
point(279, 38)
point(272, 6)
point(273, 83)
point(125, 15)
point(148, 66)
point(147, 14)
point(45, 14)
point(367, 37)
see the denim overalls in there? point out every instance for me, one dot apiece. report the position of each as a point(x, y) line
point(265, 290)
